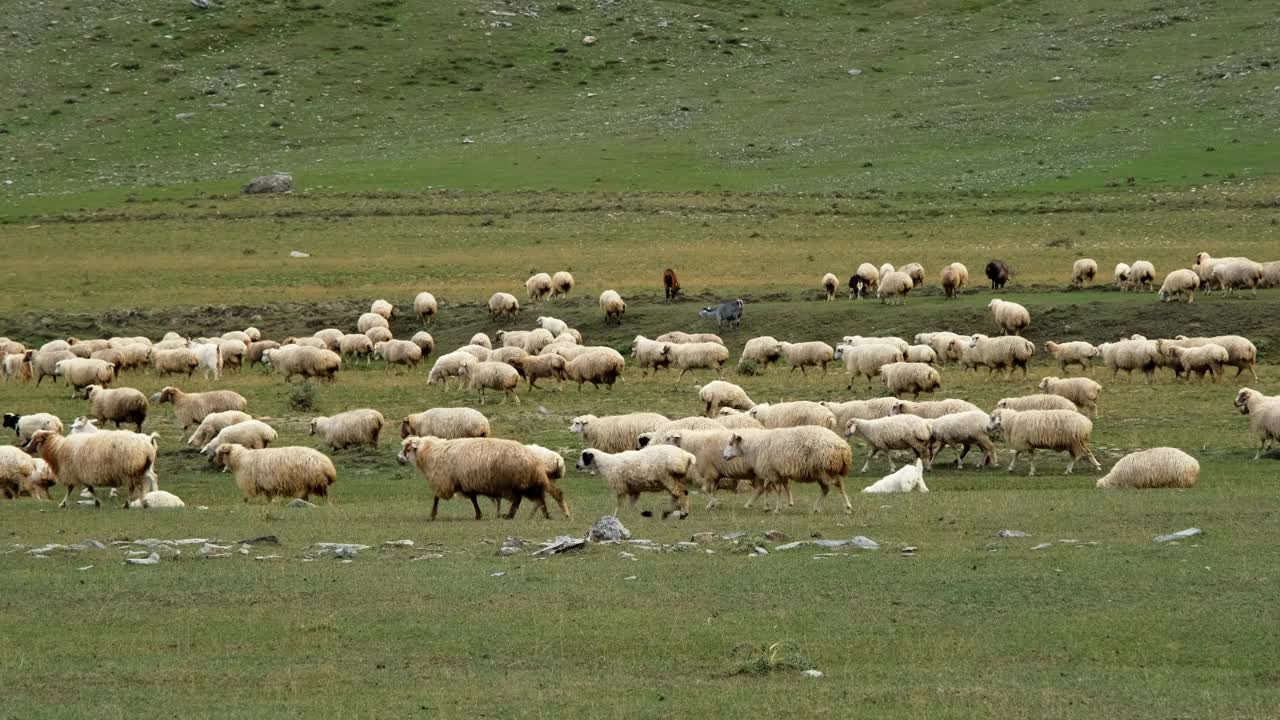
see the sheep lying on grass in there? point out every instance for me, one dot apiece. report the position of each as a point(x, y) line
point(158, 500)
point(657, 468)
point(1162, 467)
point(906, 479)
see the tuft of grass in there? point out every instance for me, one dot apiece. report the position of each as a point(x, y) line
point(760, 659)
point(303, 397)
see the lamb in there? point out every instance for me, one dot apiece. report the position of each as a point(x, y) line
point(896, 432)
point(213, 423)
point(676, 337)
point(1083, 271)
point(1130, 355)
point(698, 356)
point(1060, 430)
point(426, 344)
point(108, 458)
point(121, 405)
point(1010, 317)
point(44, 363)
point(503, 306)
point(350, 428)
point(1141, 274)
point(370, 320)
point(718, 393)
point(1081, 391)
point(1180, 282)
point(793, 414)
point(253, 434)
point(1121, 275)
point(595, 367)
point(894, 286)
point(80, 373)
point(711, 470)
point(377, 335)
point(921, 354)
point(909, 478)
point(1036, 402)
point(356, 345)
point(929, 410)
point(555, 326)
point(859, 409)
point(615, 433)
point(292, 472)
point(670, 284)
point(15, 467)
point(425, 307)
point(474, 467)
point(306, 362)
point(538, 287)
point(808, 354)
point(1162, 467)
point(446, 423)
point(158, 500)
point(940, 342)
point(561, 284)
point(998, 273)
point(867, 360)
point(486, 375)
point(910, 377)
point(399, 352)
point(383, 308)
point(1076, 352)
point(1201, 361)
point(1238, 275)
point(570, 336)
point(25, 426)
point(612, 305)
point(1007, 352)
point(191, 408)
point(794, 455)
point(650, 354)
point(536, 367)
point(867, 278)
point(959, 431)
point(552, 461)
point(829, 284)
point(915, 271)
point(657, 468)
point(449, 365)
point(761, 352)
point(1264, 417)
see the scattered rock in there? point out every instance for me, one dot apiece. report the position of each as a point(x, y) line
point(909, 550)
point(300, 503)
point(859, 541)
point(262, 540)
point(299, 254)
point(86, 567)
point(429, 556)
point(1010, 534)
point(1180, 535)
point(185, 541)
point(506, 551)
point(562, 543)
point(854, 72)
point(608, 529)
point(775, 536)
point(1055, 78)
point(589, 40)
point(759, 550)
point(267, 557)
point(152, 559)
point(1042, 546)
point(274, 183)
point(703, 537)
point(398, 543)
point(626, 556)
point(184, 116)
point(733, 536)
point(468, 141)
point(815, 674)
point(496, 574)
point(629, 577)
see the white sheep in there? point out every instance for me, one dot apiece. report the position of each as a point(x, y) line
point(896, 432)
point(657, 468)
point(941, 343)
point(1239, 275)
point(378, 335)
point(929, 409)
point(910, 377)
point(859, 409)
point(294, 472)
point(1121, 275)
point(80, 373)
point(915, 271)
point(760, 351)
point(191, 408)
point(1162, 467)
point(253, 434)
point(399, 352)
point(793, 414)
point(960, 431)
point(1270, 274)
point(213, 423)
point(536, 367)
point(329, 338)
point(83, 424)
point(1202, 360)
point(949, 280)
point(869, 277)
point(615, 433)
point(1060, 430)
point(718, 393)
point(1130, 355)
point(353, 427)
point(158, 500)
point(538, 287)
point(921, 354)
point(710, 469)
point(449, 365)
point(859, 340)
point(999, 353)
point(446, 423)
point(508, 355)
point(483, 340)
point(356, 345)
point(107, 458)
point(894, 287)
point(1083, 271)
point(698, 356)
point(784, 456)
point(906, 479)
point(425, 307)
point(1010, 317)
point(867, 360)
point(885, 269)
point(561, 284)
point(1180, 282)
point(829, 284)
point(555, 326)
point(503, 306)
point(594, 366)
point(650, 354)
point(808, 354)
point(1141, 274)
point(426, 344)
point(15, 467)
point(612, 305)
point(486, 375)
point(537, 339)
point(118, 405)
point(370, 320)
point(677, 337)
point(304, 361)
point(1081, 391)
point(1076, 352)
point(1264, 417)
point(1036, 402)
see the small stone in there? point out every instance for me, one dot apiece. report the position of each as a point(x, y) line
point(626, 556)
point(506, 551)
point(815, 674)
point(589, 40)
point(562, 543)
point(608, 529)
point(261, 540)
point(703, 537)
point(95, 544)
point(1010, 534)
point(86, 567)
point(267, 557)
point(733, 535)
point(398, 543)
point(300, 503)
point(152, 559)
point(1180, 535)
point(184, 116)
point(496, 574)
point(1042, 546)
point(1055, 78)
point(299, 254)
point(854, 72)
point(629, 577)
point(775, 535)
point(759, 550)
point(790, 545)
point(429, 556)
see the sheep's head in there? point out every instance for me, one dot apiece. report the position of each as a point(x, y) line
point(734, 448)
point(1002, 403)
point(973, 340)
point(314, 422)
point(1241, 402)
point(755, 411)
point(409, 449)
point(672, 437)
point(39, 440)
point(222, 455)
point(996, 424)
point(165, 395)
point(730, 411)
point(11, 420)
point(406, 429)
point(851, 427)
point(580, 423)
point(1044, 385)
point(84, 424)
point(587, 461)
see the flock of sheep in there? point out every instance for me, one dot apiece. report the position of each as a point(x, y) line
point(733, 444)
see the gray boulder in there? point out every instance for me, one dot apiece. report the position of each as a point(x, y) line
point(274, 183)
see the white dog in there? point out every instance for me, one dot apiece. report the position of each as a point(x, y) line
point(906, 479)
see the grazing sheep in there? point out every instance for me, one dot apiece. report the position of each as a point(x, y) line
point(486, 375)
point(867, 360)
point(191, 408)
point(615, 433)
point(670, 284)
point(793, 414)
point(1201, 361)
point(561, 284)
point(733, 420)
point(449, 365)
point(998, 273)
point(425, 342)
point(650, 354)
point(1264, 417)
point(1142, 274)
point(930, 409)
point(15, 467)
point(1241, 353)
point(1130, 355)
point(657, 468)
point(44, 363)
point(915, 271)
point(555, 326)
point(859, 409)
point(885, 269)
point(896, 432)
point(319, 342)
point(718, 393)
point(552, 461)
point(108, 458)
point(612, 305)
point(509, 355)
point(1000, 353)
point(570, 337)
point(784, 456)
point(698, 356)
point(921, 354)
point(941, 343)
point(865, 280)
point(399, 352)
point(158, 500)
point(356, 345)
point(829, 284)
point(536, 367)
point(1162, 467)
point(474, 467)
point(292, 472)
point(383, 308)
point(1036, 402)
point(910, 377)
point(1239, 275)
point(536, 340)
point(959, 431)
point(1180, 282)
point(133, 355)
point(676, 337)
point(1060, 430)
point(1270, 274)
point(121, 405)
point(538, 287)
point(908, 478)
point(1121, 275)
point(478, 352)
point(425, 307)
point(80, 373)
point(446, 423)
point(253, 434)
point(503, 306)
point(1073, 353)
point(595, 367)
point(304, 361)
point(710, 470)
point(24, 426)
point(760, 351)
point(808, 354)
point(353, 427)
point(1083, 271)
point(371, 320)
point(894, 286)
point(17, 367)
point(56, 346)
point(378, 335)
point(213, 423)
point(1010, 317)
point(1081, 391)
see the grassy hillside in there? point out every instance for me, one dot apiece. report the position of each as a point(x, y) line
point(743, 95)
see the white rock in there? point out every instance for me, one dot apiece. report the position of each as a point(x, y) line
point(1180, 535)
point(812, 674)
point(152, 559)
point(298, 254)
point(589, 40)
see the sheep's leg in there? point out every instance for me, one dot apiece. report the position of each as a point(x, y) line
point(1031, 457)
point(1089, 454)
point(889, 454)
point(73, 488)
point(1013, 461)
point(786, 487)
point(497, 506)
point(817, 504)
point(476, 506)
point(848, 506)
point(511, 511)
point(758, 487)
point(435, 506)
point(960, 456)
point(514, 396)
point(867, 464)
point(1071, 463)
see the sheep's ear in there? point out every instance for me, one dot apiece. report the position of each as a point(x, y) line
point(588, 457)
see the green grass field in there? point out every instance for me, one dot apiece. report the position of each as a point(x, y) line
point(727, 140)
